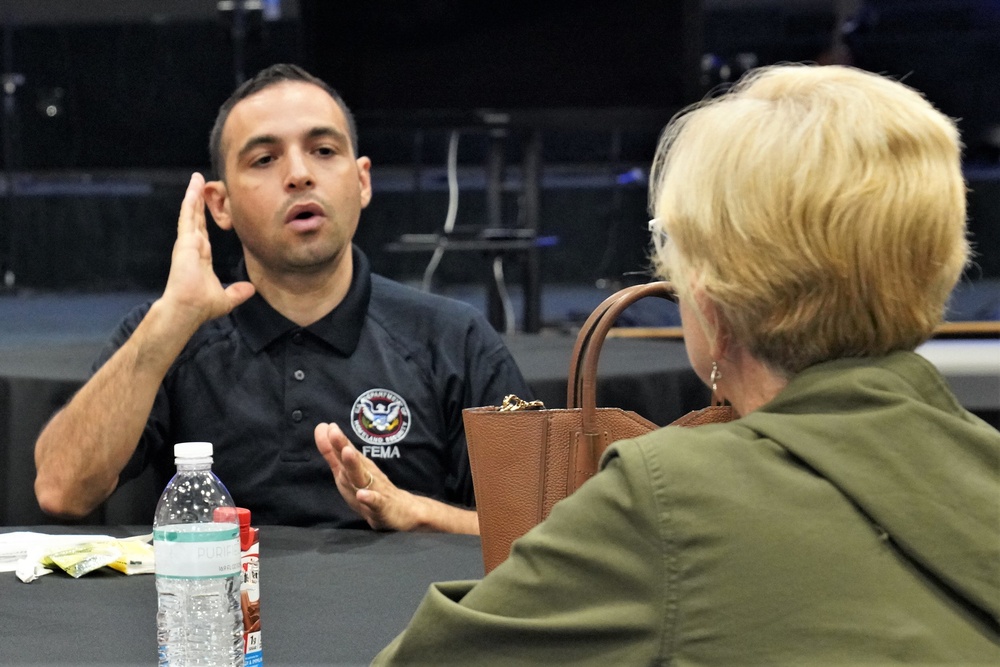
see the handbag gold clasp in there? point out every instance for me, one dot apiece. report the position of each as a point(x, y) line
point(511, 403)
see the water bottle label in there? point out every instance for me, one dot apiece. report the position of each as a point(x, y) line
point(197, 551)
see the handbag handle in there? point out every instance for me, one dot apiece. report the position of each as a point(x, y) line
point(581, 391)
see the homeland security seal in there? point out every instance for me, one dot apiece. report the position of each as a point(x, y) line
point(380, 417)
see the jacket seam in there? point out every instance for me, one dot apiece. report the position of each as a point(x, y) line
point(668, 555)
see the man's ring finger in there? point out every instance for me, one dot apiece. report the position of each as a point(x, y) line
point(371, 480)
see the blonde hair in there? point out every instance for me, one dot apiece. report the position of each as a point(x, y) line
point(821, 209)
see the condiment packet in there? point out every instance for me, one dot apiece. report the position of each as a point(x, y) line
point(78, 555)
point(17, 545)
point(136, 556)
point(80, 559)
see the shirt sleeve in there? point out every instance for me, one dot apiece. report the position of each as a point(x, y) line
point(581, 588)
point(490, 367)
point(489, 373)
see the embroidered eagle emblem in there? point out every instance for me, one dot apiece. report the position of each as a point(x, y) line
point(380, 417)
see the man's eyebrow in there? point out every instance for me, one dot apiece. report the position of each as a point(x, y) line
point(254, 142)
point(326, 131)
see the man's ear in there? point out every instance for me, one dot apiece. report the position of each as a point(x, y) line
point(217, 200)
point(365, 180)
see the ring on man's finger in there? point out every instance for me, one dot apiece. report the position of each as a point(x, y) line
point(371, 480)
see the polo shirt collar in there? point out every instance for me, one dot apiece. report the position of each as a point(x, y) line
point(260, 324)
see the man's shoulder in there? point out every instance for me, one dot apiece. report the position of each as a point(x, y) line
point(219, 329)
point(423, 323)
point(392, 299)
point(211, 328)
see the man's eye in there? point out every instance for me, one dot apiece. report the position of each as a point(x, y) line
point(262, 160)
point(326, 151)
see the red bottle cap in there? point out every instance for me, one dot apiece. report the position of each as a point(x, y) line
point(240, 515)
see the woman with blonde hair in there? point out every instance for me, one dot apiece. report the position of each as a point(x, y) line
point(812, 220)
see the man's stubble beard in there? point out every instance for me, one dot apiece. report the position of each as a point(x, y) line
point(303, 258)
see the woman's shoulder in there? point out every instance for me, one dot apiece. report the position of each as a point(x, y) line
point(679, 444)
point(701, 457)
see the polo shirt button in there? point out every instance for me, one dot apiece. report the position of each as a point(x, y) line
point(299, 375)
point(296, 416)
point(297, 338)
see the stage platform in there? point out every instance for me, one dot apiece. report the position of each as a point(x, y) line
point(31, 317)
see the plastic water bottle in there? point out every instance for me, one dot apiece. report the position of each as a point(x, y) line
point(198, 619)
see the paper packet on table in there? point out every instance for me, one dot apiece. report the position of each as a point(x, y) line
point(75, 554)
point(130, 556)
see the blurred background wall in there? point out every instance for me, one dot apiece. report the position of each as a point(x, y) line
point(106, 108)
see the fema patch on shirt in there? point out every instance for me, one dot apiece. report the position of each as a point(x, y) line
point(380, 417)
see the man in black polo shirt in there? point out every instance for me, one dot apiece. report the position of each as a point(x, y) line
point(309, 368)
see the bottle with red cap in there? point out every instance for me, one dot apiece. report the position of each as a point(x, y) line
point(250, 589)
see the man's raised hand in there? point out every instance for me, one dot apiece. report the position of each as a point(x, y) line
point(193, 292)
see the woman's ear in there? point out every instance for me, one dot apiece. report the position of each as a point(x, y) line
point(217, 200)
point(713, 323)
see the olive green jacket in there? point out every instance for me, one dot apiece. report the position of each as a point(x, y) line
point(854, 520)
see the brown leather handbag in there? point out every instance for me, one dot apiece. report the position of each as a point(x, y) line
point(526, 458)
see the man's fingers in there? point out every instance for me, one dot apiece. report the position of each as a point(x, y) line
point(350, 467)
point(192, 216)
point(363, 485)
point(239, 292)
point(340, 454)
point(354, 464)
point(373, 500)
point(325, 446)
point(336, 437)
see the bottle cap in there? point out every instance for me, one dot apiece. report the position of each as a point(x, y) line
point(193, 450)
point(240, 515)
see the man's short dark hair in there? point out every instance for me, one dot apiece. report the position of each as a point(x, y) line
point(267, 77)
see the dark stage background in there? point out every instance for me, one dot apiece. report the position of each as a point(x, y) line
point(107, 107)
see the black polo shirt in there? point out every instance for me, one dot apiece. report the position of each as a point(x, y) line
point(392, 365)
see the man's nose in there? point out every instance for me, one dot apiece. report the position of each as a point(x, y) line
point(298, 176)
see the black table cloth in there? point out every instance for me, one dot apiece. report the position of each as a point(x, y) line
point(328, 596)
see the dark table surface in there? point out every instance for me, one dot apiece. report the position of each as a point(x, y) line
point(328, 596)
